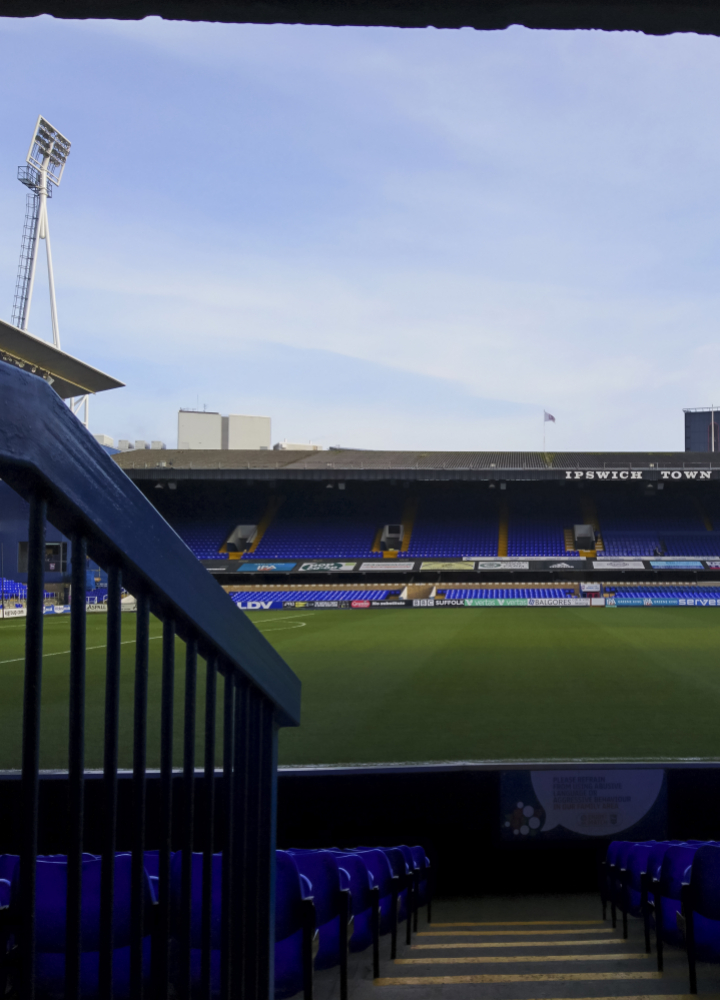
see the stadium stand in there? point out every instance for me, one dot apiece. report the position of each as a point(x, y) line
point(98, 595)
point(536, 525)
point(461, 526)
point(318, 538)
point(468, 593)
point(203, 538)
point(672, 593)
point(659, 524)
point(12, 589)
point(240, 596)
point(451, 521)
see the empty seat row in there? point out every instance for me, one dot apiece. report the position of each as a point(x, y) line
point(327, 901)
point(674, 888)
point(241, 596)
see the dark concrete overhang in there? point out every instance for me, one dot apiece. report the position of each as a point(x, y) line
point(653, 17)
point(385, 466)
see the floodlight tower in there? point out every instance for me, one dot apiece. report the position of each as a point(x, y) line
point(44, 167)
point(45, 163)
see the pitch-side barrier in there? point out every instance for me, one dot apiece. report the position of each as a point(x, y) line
point(479, 602)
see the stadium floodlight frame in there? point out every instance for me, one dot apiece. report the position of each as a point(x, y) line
point(49, 150)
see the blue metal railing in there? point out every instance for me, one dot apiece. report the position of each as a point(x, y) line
point(51, 460)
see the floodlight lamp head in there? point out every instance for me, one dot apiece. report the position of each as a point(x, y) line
point(48, 145)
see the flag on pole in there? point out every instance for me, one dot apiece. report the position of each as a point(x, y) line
point(548, 416)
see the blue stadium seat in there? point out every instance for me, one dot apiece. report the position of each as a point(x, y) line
point(388, 886)
point(667, 893)
point(364, 901)
point(332, 909)
point(701, 909)
point(295, 929)
point(424, 896)
point(50, 928)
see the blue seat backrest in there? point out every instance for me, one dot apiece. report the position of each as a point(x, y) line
point(421, 859)
point(705, 881)
point(152, 863)
point(360, 879)
point(321, 868)
point(637, 863)
point(623, 853)
point(409, 857)
point(288, 896)
point(677, 859)
point(52, 903)
point(8, 864)
point(196, 881)
point(397, 860)
point(613, 848)
point(655, 858)
point(379, 867)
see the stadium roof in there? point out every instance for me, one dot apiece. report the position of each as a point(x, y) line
point(656, 17)
point(415, 465)
point(68, 376)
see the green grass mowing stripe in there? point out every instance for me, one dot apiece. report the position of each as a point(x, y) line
point(399, 685)
point(55, 689)
point(394, 685)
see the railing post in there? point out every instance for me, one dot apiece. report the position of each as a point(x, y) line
point(188, 817)
point(31, 741)
point(240, 953)
point(161, 952)
point(110, 764)
point(228, 827)
point(268, 827)
point(209, 832)
point(137, 895)
point(76, 767)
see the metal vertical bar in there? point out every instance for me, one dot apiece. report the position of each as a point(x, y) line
point(252, 842)
point(110, 765)
point(266, 849)
point(31, 741)
point(209, 832)
point(137, 895)
point(161, 953)
point(188, 817)
point(240, 955)
point(76, 768)
point(226, 916)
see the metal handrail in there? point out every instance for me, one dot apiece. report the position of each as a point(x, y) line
point(48, 457)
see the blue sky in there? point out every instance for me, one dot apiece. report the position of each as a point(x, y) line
point(380, 238)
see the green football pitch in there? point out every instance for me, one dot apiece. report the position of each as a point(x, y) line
point(451, 684)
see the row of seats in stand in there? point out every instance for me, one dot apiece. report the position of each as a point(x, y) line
point(674, 888)
point(508, 593)
point(327, 901)
point(332, 901)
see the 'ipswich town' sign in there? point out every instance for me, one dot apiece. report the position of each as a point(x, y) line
point(636, 474)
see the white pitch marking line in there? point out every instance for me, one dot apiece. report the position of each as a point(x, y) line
point(66, 652)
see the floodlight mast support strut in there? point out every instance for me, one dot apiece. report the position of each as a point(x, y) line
point(41, 232)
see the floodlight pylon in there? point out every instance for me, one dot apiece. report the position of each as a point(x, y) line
point(46, 159)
